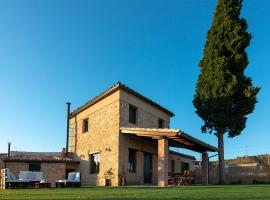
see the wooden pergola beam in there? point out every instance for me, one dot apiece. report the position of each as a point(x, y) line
point(176, 137)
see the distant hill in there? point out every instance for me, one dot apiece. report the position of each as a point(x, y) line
point(259, 159)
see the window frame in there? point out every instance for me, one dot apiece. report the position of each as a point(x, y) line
point(161, 122)
point(34, 164)
point(84, 126)
point(93, 167)
point(132, 164)
point(132, 119)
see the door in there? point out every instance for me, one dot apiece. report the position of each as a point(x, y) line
point(147, 168)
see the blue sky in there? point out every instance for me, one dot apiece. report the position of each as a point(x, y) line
point(57, 51)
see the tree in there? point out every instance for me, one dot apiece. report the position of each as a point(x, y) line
point(224, 95)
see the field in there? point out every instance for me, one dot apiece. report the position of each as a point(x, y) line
point(232, 192)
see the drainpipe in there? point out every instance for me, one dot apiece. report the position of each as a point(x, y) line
point(67, 136)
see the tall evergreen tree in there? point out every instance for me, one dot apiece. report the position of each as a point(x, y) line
point(224, 95)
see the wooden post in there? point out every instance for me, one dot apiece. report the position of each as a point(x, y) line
point(3, 179)
point(163, 149)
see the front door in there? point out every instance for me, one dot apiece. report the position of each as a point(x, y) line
point(147, 168)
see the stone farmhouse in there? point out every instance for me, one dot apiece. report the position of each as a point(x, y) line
point(120, 131)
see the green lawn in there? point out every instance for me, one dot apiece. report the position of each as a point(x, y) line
point(232, 192)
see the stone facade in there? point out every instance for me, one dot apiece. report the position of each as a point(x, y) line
point(53, 172)
point(102, 137)
point(2, 157)
point(148, 117)
point(105, 118)
point(16, 167)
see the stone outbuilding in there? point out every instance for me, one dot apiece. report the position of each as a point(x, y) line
point(54, 165)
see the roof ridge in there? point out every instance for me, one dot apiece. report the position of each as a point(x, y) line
point(110, 90)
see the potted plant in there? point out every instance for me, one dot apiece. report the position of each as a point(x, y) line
point(108, 175)
point(123, 176)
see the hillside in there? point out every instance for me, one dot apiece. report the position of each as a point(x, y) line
point(259, 159)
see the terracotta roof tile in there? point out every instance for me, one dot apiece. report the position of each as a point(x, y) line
point(111, 90)
point(22, 156)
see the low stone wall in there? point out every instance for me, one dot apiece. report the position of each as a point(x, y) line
point(242, 175)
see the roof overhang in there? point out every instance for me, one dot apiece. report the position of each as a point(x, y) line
point(29, 160)
point(113, 89)
point(175, 137)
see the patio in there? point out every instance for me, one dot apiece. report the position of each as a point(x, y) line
point(173, 138)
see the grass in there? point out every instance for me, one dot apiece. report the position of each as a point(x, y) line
point(231, 192)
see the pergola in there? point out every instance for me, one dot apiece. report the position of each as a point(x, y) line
point(175, 138)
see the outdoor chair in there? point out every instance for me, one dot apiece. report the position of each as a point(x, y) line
point(31, 177)
point(74, 180)
point(190, 177)
point(12, 182)
point(180, 180)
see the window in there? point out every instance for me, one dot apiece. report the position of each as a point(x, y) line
point(34, 167)
point(160, 123)
point(85, 125)
point(94, 163)
point(132, 160)
point(184, 166)
point(132, 114)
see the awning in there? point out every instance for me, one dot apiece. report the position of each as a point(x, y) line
point(176, 138)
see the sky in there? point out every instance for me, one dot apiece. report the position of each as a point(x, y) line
point(57, 51)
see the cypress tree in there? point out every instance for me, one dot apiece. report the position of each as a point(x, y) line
point(224, 95)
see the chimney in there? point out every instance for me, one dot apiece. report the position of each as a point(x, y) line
point(8, 154)
point(67, 136)
point(63, 153)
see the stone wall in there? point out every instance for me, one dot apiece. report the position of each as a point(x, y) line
point(53, 172)
point(148, 116)
point(102, 137)
point(16, 167)
point(141, 145)
point(2, 157)
point(241, 175)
